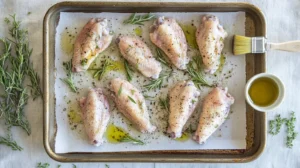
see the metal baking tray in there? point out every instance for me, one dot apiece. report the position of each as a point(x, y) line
point(256, 121)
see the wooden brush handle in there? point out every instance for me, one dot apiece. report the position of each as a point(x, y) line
point(292, 46)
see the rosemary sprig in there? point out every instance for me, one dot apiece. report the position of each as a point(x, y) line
point(164, 103)
point(291, 134)
point(128, 138)
point(161, 57)
point(69, 79)
point(15, 66)
point(128, 70)
point(157, 83)
point(36, 90)
point(8, 141)
point(194, 71)
point(43, 165)
point(138, 19)
point(100, 72)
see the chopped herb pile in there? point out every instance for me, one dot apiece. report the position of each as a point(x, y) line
point(139, 19)
point(15, 66)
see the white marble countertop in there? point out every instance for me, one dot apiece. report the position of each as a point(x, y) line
point(283, 20)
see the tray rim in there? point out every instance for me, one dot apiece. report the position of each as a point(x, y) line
point(62, 158)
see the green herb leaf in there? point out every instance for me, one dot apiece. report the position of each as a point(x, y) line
point(131, 99)
point(128, 138)
point(194, 71)
point(120, 90)
point(69, 80)
point(138, 19)
point(74, 166)
point(106, 166)
point(148, 97)
point(128, 70)
point(43, 165)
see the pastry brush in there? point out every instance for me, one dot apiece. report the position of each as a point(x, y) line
point(244, 45)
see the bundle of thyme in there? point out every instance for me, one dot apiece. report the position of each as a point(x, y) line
point(15, 66)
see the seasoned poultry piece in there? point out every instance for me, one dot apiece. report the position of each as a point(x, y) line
point(183, 100)
point(210, 37)
point(93, 39)
point(137, 53)
point(131, 103)
point(166, 34)
point(95, 113)
point(216, 107)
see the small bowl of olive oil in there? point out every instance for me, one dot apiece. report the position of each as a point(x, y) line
point(264, 92)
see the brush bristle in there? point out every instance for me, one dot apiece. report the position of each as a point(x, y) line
point(241, 45)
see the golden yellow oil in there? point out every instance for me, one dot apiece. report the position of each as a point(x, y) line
point(67, 42)
point(263, 91)
point(184, 137)
point(74, 117)
point(190, 35)
point(138, 31)
point(222, 63)
point(114, 134)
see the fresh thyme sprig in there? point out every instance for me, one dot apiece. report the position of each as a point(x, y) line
point(164, 103)
point(291, 134)
point(69, 79)
point(194, 71)
point(128, 70)
point(43, 165)
point(139, 19)
point(157, 83)
point(275, 125)
point(128, 138)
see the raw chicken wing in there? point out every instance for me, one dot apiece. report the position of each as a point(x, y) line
point(93, 39)
point(95, 113)
point(216, 107)
point(132, 104)
point(210, 37)
point(183, 100)
point(166, 34)
point(137, 53)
